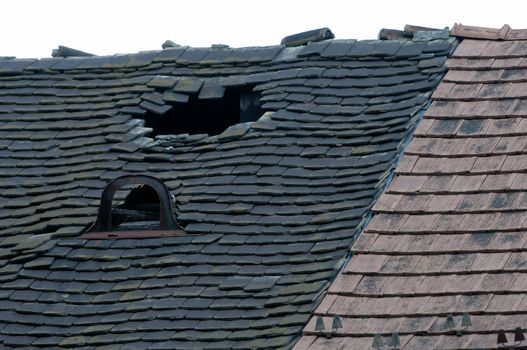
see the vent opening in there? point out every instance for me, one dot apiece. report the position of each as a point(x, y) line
point(140, 209)
point(146, 211)
point(207, 116)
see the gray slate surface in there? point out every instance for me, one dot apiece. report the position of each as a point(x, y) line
point(270, 207)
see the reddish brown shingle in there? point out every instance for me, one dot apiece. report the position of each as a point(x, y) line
point(449, 234)
point(503, 33)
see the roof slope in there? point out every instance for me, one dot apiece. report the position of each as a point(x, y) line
point(448, 236)
point(270, 207)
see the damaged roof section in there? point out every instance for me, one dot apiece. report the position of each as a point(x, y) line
point(447, 240)
point(270, 207)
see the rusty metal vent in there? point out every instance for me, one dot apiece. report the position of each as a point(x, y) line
point(105, 228)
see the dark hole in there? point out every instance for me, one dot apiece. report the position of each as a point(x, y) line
point(142, 197)
point(207, 116)
point(140, 210)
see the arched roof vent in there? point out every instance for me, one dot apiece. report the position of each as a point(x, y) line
point(107, 224)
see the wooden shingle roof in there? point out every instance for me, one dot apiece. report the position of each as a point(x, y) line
point(448, 236)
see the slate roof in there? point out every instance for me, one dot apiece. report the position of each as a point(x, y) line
point(448, 235)
point(270, 207)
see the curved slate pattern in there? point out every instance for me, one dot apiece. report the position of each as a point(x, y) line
point(270, 207)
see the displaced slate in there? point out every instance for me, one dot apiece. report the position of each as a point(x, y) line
point(270, 208)
point(448, 235)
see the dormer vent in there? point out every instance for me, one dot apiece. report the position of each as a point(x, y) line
point(137, 210)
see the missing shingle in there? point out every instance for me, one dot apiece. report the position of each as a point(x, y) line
point(197, 114)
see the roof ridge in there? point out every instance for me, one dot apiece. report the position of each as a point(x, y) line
point(214, 55)
point(474, 32)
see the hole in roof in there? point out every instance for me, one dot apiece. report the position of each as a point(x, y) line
point(207, 116)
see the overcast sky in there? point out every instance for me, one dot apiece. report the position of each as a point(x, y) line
point(32, 28)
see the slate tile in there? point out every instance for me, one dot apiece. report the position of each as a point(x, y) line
point(39, 263)
point(47, 341)
point(211, 90)
point(18, 340)
point(158, 336)
point(133, 110)
point(264, 54)
point(143, 345)
point(166, 55)
point(25, 296)
point(259, 284)
point(432, 62)
point(387, 48)
point(153, 97)
point(97, 329)
point(218, 54)
point(38, 274)
point(42, 64)
point(314, 48)
point(311, 72)
point(362, 48)
point(162, 82)
point(188, 85)
point(133, 296)
point(16, 329)
point(192, 55)
point(141, 59)
point(172, 97)
point(234, 282)
point(410, 49)
point(153, 325)
point(117, 61)
point(248, 344)
point(155, 108)
point(108, 298)
point(338, 48)
point(438, 46)
point(15, 66)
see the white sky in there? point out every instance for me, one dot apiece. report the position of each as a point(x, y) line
point(32, 28)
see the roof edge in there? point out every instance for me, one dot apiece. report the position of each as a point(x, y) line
point(503, 33)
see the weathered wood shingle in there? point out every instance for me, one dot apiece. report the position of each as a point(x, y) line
point(448, 235)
